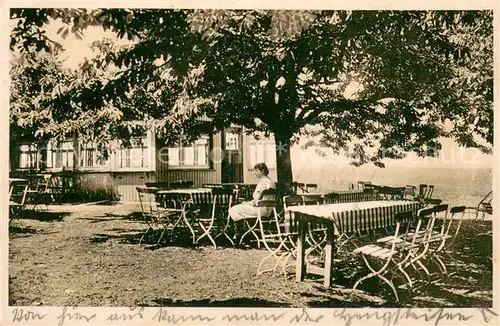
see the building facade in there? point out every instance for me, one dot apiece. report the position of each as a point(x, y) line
point(227, 157)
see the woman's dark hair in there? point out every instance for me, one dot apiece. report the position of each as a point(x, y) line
point(262, 167)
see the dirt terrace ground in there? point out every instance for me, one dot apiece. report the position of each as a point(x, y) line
point(88, 255)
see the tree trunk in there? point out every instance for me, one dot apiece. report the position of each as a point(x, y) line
point(283, 163)
point(13, 155)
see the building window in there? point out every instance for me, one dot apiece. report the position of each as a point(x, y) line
point(232, 141)
point(262, 152)
point(192, 155)
point(60, 155)
point(137, 156)
point(28, 156)
point(65, 154)
point(90, 156)
point(51, 154)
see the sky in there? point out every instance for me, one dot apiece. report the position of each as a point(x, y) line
point(451, 156)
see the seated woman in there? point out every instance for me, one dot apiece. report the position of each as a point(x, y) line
point(248, 209)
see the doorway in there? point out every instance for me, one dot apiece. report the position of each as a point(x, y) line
point(232, 165)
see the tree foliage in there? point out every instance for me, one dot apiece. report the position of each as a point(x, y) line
point(369, 84)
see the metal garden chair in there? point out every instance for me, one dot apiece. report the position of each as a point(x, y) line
point(444, 241)
point(316, 232)
point(224, 199)
point(277, 239)
point(219, 201)
point(395, 257)
point(484, 206)
point(17, 202)
point(253, 225)
point(154, 215)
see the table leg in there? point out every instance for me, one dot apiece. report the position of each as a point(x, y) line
point(300, 268)
point(329, 254)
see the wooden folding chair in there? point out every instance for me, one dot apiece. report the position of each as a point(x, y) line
point(277, 239)
point(409, 192)
point(309, 187)
point(393, 258)
point(253, 225)
point(444, 241)
point(220, 200)
point(428, 236)
point(17, 201)
point(224, 199)
point(484, 206)
point(296, 186)
point(316, 232)
point(154, 215)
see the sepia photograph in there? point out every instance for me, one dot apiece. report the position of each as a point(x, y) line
point(250, 158)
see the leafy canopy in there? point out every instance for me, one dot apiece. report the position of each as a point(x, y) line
point(367, 83)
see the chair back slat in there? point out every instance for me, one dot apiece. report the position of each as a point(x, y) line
point(265, 203)
point(454, 211)
point(422, 190)
point(430, 191)
point(147, 200)
point(425, 212)
point(18, 191)
point(312, 199)
point(158, 185)
point(223, 196)
point(292, 200)
point(269, 194)
point(245, 191)
point(457, 209)
point(182, 184)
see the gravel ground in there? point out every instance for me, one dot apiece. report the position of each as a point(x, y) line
point(88, 255)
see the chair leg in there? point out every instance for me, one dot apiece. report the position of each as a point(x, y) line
point(315, 245)
point(406, 276)
point(251, 229)
point(379, 274)
point(186, 221)
point(206, 233)
point(225, 230)
point(285, 261)
point(149, 228)
point(426, 271)
point(161, 236)
point(272, 253)
point(440, 264)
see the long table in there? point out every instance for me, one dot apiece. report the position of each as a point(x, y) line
point(356, 216)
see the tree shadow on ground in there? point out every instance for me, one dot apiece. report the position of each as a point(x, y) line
point(182, 232)
point(105, 203)
point(134, 216)
point(236, 302)
point(21, 230)
point(150, 241)
point(98, 219)
point(42, 216)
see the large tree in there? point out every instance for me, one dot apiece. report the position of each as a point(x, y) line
point(369, 85)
